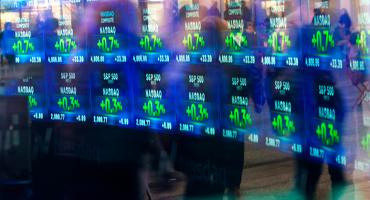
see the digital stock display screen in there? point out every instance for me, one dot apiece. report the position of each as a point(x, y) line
point(111, 104)
point(64, 43)
point(153, 92)
point(359, 64)
point(360, 61)
point(27, 45)
point(197, 110)
point(196, 41)
point(281, 38)
point(281, 73)
point(154, 100)
point(239, 39)
point(69, 94)
point(238, 110)
point(151, 45)
point(284, 88)
point(323, 38)
point(107, 43)
point(362, 160)
point(286, 111)
point(326, 130)
point(33, 88)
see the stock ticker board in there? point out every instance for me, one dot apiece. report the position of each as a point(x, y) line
point(107, 43)
point(195, 39)
point(285, 99)
point(64, 43)
point(27, 43)
point(239, 40)
point(235, 70)
point(321, 40)
point(326, 127)
point(281, 38)
point(151, 44)
point(358, 64)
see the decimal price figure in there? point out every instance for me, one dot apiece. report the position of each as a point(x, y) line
point(197, 112)
point(365, 143)
point(154, 109)
point(279, 41)
point(193, 42)
point(107, 44)
point(24, 46)
point(65, 45)
point(361, 41)
point(284, 129)
point(151, 43)
point(243, 121)
point(111, 105)
point(68, 104)
point(32, 102)
point(322, 41)
point(235, 41)
point(322, 133)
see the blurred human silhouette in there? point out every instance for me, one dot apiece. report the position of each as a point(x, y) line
point(214, 11)
point(345, 20)
point(8, 55)
point(335, 78)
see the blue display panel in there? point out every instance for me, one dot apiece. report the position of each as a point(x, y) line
point(111, 96)
point(363, 140)
point(285, 95)
point(360, 59)
point(27, 43)
point(151, 43)
point(154, 99)
point(200, 68)
point(15, 4)
point(323, 45)
point(64, 41)
point(239, 39)
point(32, 86)
point(360, 63)
point(154, 88)
point(326, 127)
point(195, 39)
point(280, 38)
point(239, 99)
point(69, 98)
point(107, 41)
point(197, 104)
point(280, 44)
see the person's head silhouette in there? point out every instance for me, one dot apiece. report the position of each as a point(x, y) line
point(8, 26)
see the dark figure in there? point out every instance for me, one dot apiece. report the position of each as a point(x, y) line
point(7, 51)
point(315, 167)
point(345, 20)
point(214, 166)
point(358, 78)
point(214, 11)
point(309, 171)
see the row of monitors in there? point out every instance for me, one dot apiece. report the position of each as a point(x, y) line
point(203, 70)
point(159, 32)
point(320, 114)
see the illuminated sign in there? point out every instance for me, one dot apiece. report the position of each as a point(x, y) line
point(320, 41)
point(196, 108)
point(237, 113)
point(286, 112)
point(111, 100)
point(27, 45)
point(195, 40)
point(282, 41)
point(107, 43)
